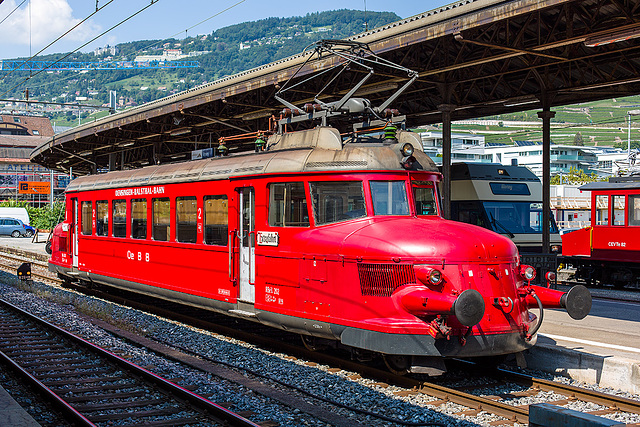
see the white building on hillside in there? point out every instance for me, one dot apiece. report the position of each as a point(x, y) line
point(473, 148)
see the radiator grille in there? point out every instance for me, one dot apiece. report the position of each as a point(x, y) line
point(381, 280)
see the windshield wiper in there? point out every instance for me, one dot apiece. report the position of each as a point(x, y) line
point(499, 224)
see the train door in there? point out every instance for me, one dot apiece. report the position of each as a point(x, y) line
point(74, 231)
point(246, 243)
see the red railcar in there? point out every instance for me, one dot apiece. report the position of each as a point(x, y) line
point(608, 252)
point(337, 239)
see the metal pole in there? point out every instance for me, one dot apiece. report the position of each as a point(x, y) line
point(51, 189)
point(546, 115)
point(446, 110)
point(629, 137)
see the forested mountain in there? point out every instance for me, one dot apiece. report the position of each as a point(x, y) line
point(223, 52)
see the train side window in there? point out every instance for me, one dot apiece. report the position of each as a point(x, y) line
point(602, 209)
point(634, 210)
point(425, 198)
point(161, 227)
point(186, 219)
point(119, 215)
point(389, 197)
point(139, 218)
point(216, 220)
point(288, 205)
point(86, 213)
point(619, 209)
point(102, 218)
point(337, 201)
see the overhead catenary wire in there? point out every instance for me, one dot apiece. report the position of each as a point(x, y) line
point(139, 50)
point(191, 27)
point(11, 13)
point(83, 45)
point(57, 39)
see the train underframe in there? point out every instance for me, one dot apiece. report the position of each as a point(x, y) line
point(401, 352)
point(605, 273)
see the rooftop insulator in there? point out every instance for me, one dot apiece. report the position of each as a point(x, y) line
point(390, 112)
point(310, 108)
point(222, 149)
point(260, 143)
point(390, 132)
point(288, 112)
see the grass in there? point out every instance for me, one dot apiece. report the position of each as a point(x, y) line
point(601, 123)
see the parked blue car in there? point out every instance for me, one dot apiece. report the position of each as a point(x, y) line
point(29, 231)
point(13, 227)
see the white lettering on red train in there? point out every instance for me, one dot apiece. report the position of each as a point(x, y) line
point(133, 256)
point(140, 191)
point(618, 244)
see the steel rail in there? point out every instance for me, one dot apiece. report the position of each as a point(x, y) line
point(510, 412)
point(67, 410)
point(604, 399)
point(221, 414)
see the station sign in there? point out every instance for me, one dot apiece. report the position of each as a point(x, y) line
point(34, 187)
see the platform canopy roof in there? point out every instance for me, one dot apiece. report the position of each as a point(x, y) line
point(479, 57)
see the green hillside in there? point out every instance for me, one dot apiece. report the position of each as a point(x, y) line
point(602, 123)
point(230, 50)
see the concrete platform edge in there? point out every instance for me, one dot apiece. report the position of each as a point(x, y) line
point(12, 414)
point(605, 371)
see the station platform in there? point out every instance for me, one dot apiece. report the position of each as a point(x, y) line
point(26, 244)
point(602, 349)
point(12, 414)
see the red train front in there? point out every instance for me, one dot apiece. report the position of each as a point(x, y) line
point(337, 239)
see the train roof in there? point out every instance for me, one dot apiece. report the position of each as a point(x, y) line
point(491, 171)
point(615, 183)
point(314, 150)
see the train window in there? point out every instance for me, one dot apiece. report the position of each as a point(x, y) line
point(470, 212)
point(216, 220)
point(337, 201)
point(288, 205)
point(119, 215)
point(425, 198)
point(102, 218)
point(634, 210)
point(139, 218)
point(389, 198)
point(619, 208)
point(602, 209)
point(161, 227)
point(85, 220)
point(186, 219)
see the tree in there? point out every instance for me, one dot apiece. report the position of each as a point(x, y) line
point(577, 140)
point(575, 176)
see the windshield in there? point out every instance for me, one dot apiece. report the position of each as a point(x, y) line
point(337, 201)
point(389, 197)
point(425, 198)
point(516, 217)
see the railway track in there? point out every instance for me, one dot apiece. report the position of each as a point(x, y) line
point(92, 386)
point(475, 398)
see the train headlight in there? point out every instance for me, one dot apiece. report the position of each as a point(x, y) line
point(429, 275)
point(435, 277)
point(527, 272)
point(407, 149)
point(550, 276)
point(555, 248)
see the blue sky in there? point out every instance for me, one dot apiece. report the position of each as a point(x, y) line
point(36, 23)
